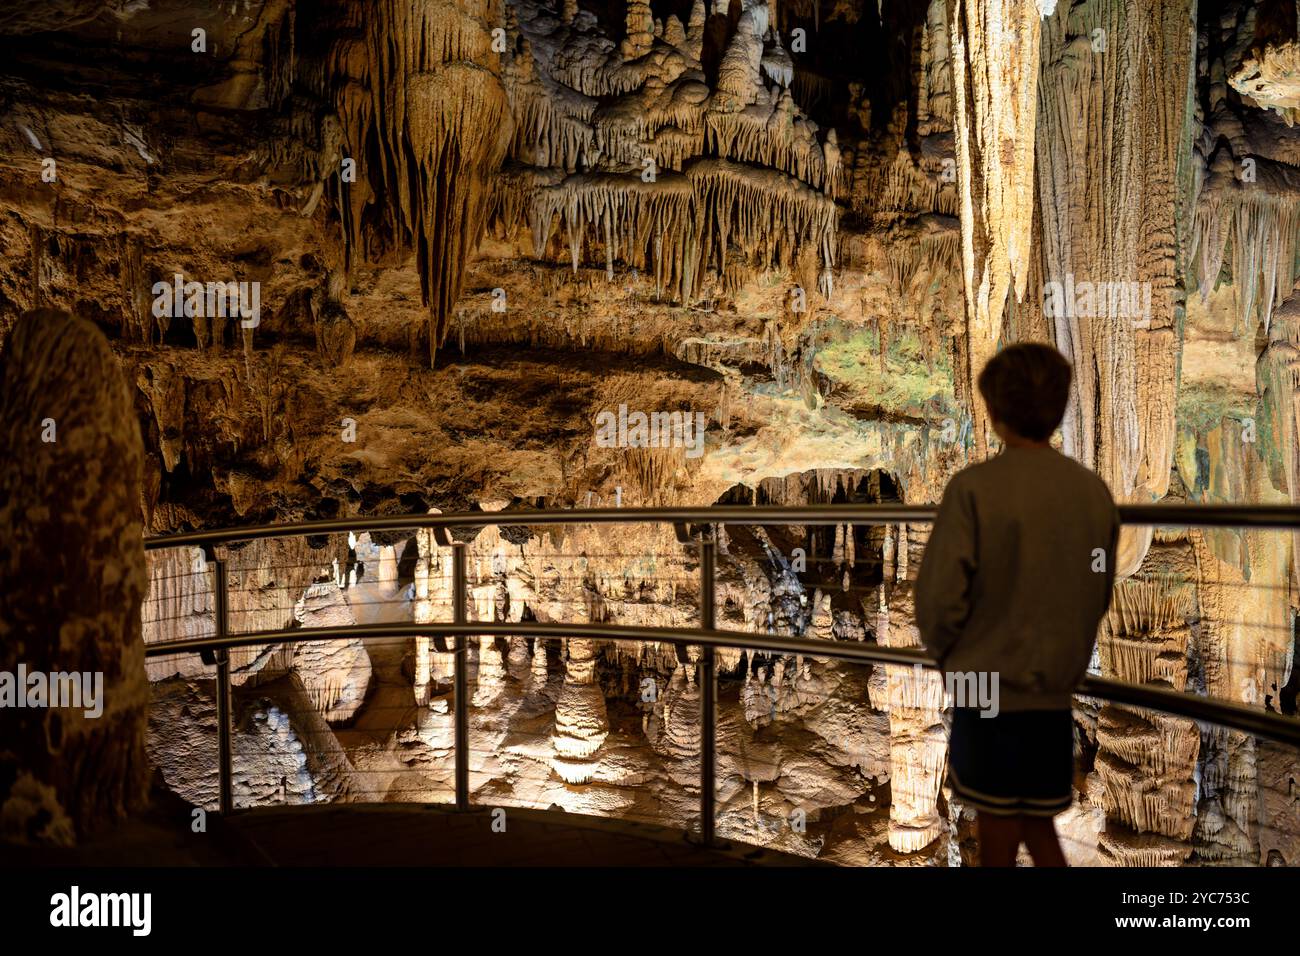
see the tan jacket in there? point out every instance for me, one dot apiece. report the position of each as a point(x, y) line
point(1018, 573)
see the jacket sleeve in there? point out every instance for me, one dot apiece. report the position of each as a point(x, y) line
point(943, 584)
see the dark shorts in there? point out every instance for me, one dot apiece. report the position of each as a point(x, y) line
point(1017, 762)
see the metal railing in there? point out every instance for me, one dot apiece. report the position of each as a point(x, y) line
point(215, 649)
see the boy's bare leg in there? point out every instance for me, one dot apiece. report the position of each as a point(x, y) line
point(1040, 839)
point(999, 838)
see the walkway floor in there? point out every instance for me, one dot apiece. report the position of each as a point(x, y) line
point(389, 835)
point(404, 835)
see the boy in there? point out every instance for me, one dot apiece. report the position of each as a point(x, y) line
point(1015, 579)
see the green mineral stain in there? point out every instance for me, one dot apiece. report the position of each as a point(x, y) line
point(905, 385)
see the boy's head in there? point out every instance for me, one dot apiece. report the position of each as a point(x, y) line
point(1026, 387)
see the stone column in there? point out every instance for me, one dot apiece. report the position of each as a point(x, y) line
point(72, 577)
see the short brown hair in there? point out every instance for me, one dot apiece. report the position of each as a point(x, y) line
point(1026, 387)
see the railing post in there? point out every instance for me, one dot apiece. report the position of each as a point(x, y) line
point(461, 709)
point(226, 799)
point(708, 691)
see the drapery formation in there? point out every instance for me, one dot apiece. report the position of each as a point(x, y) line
point(994, 46)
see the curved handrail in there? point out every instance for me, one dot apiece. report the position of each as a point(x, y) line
point(1259, 723)
point(1252, 516)
point(1235, 716)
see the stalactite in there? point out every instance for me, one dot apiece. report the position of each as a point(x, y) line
point(771, 188)
point(779, 137)
point(629, 214)
point(1261, 227)
point(553, 124)
point(1109, 190)
point(777, 64)
point(766, 214)
point(995, 47)
point(694, 219)
point(660, 121)
point(416, 87)
point(1145, 764)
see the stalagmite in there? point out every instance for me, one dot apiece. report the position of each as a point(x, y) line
point(387, 574)
point(491, 671)
point(71, 581)
point(335, 674)
point(539, 671)
point(581, 724)
point(739, 76)
point(777, 64)
point(265, 580)
point(917, 744)
point(639, 36)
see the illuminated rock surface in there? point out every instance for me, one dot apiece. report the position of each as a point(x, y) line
point(479, 225)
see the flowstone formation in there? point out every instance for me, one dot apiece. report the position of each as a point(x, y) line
point(513, 254)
